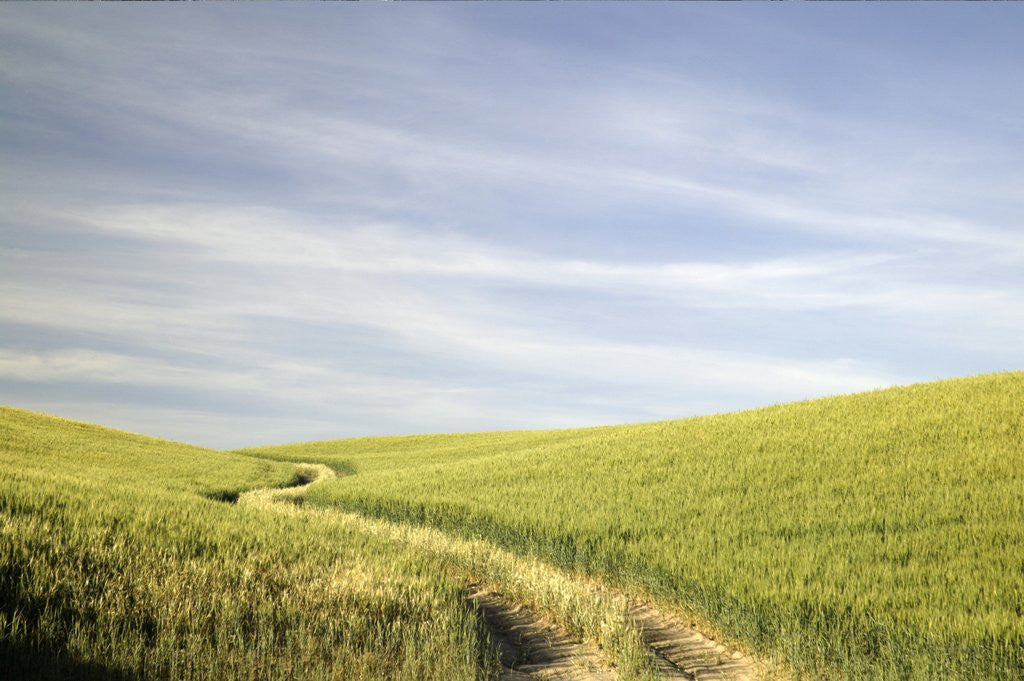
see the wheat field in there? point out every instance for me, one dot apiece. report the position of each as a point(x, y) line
point(876, 535)
point(868, 536)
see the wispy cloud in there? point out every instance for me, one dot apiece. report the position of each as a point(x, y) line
point(446, 221)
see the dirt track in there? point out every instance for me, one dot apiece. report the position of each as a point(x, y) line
point(682, 652)
point(531, 646)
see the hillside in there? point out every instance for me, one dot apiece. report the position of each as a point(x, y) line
point(120, 560)
point(880, 534)
point(876, 535)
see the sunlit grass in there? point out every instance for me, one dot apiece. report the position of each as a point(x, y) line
point(868, 536)
point(877, 534)
point(116, 563)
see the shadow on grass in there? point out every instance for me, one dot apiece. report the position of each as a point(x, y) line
point(298, 480)
point(226, 496)
point(29, 664)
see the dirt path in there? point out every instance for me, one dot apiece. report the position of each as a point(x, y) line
point(534, 647)
point(292, 494)
point(682, 652)
point(530, 647)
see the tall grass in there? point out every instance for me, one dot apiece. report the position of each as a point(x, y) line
point(584, 607)
point(116, 562)
point(876, 535)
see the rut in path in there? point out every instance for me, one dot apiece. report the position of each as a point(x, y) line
point(533, 647)
point(682, 652)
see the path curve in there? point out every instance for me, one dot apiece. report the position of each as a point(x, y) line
point(533, 647)
point(529, 647)
point(292, 493)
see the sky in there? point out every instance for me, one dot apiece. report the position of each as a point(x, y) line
point(243, 224)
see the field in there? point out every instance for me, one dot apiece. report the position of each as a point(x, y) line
point(877, 535)
point(119, 559)
point(880, 535)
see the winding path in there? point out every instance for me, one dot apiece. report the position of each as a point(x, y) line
point(532, 646)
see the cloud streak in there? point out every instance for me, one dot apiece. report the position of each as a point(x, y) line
point(352, 224)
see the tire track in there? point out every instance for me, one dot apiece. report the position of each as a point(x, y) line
point(531, 646)
point(682, 652)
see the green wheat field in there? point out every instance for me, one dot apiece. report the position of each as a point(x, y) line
point(871, 536)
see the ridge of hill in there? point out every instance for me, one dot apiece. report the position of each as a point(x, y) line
point(121, 561)
point(880, 534)
point(875, 535)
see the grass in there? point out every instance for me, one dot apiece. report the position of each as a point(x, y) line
point(876, 535)
point(119, 560)
point(584, 607)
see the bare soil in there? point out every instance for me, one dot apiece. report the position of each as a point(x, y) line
point(531, 647)
point(682, 652)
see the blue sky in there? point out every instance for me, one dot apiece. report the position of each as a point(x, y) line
point(248, 224)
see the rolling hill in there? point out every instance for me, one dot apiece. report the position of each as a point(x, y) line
point(877, 535)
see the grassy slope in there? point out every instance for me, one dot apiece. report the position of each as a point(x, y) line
point(878, 533)
point(115, 564)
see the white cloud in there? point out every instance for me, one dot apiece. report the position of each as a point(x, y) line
point(837, 169)
point(256, 237)
point(215, 215)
